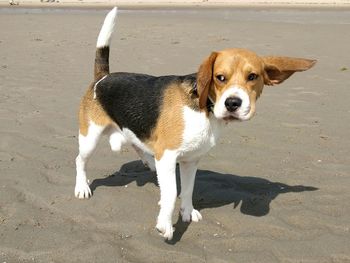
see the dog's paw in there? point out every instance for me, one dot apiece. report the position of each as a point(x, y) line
point(189, 215)
point(82, 190)
point(165, 228)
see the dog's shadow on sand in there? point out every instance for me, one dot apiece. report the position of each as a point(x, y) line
point(211, 190)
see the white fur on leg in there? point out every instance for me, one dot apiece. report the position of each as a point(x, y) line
point(187, 174)
point(116, 140)
point(82, 189)
point(166, 172)
point(146, 158)
point(87, 145)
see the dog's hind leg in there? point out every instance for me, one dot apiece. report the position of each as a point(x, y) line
point(87, 144)
point(116, 139)
point(146, 158)
point(187, 175)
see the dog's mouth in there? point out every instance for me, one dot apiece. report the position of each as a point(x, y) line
point(237, 117)
point(242, 114)
point(231, 118)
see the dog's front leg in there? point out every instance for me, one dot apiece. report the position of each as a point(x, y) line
point(166, 172)
point(187, 174)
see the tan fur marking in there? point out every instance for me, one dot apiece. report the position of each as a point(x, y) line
point(170, 126)
point(91, 110)
point(205, 79)
point(278, 69)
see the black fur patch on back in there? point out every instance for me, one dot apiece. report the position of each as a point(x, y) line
point(134, 101)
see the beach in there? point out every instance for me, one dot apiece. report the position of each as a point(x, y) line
point(274, 189)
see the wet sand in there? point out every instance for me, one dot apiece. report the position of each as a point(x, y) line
point(274, 189)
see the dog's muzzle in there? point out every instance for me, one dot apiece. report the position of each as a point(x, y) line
point(234, 104)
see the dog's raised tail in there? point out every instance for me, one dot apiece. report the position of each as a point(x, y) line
point(102, 46)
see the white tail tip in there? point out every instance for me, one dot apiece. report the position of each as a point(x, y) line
point(104, 38)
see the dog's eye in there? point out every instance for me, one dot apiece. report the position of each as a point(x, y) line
point(220, 78)
point(252, 76)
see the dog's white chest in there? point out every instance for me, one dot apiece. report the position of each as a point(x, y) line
point(200, 134)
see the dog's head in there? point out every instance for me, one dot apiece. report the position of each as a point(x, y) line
point(233, 80)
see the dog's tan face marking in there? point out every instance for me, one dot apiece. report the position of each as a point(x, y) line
point(234, 79)
point(233, 68)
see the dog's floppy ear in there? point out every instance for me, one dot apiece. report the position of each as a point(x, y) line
point(278, 69)
point(204, 79)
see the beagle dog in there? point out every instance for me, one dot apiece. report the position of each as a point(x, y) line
point(172, 119)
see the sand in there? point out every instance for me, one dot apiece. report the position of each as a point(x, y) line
point(274, 189)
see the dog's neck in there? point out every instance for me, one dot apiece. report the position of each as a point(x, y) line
point(210, 103)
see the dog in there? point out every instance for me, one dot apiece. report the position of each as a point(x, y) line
point(172, 119)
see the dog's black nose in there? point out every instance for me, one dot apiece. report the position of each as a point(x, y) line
point(233, 103)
